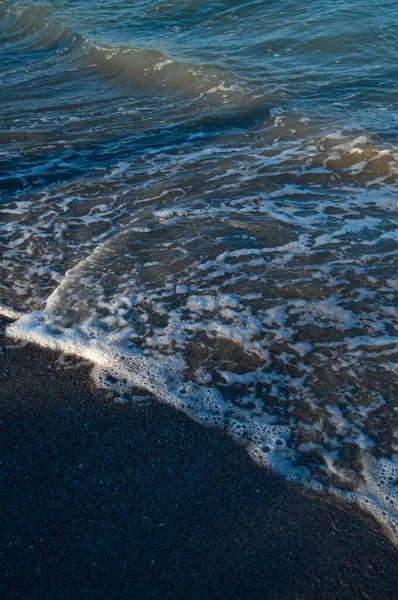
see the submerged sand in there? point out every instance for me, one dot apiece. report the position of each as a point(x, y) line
point(109, 500)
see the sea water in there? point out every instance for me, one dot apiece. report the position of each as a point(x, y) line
point(200, 197)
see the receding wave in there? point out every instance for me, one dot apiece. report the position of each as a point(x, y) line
point(267, 311)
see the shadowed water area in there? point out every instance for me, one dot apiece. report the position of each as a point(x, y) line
point(201, 199)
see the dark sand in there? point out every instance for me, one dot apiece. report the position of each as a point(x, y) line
point(107, 500)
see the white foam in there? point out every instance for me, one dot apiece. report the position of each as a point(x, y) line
point(121, 367)
point(10, 313)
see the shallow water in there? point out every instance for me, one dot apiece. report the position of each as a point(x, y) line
point(201, 198)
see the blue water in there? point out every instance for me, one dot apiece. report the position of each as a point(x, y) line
point(201, 199)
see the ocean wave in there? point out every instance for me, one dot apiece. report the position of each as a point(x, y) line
point(230, 249)
point(29, 28)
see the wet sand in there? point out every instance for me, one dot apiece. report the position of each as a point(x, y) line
point(109, 500)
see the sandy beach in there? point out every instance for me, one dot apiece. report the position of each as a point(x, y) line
point(109, 500)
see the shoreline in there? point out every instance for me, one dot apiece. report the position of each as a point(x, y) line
point(110, 500)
